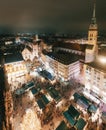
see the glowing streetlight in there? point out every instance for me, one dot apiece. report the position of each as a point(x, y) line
point(42, 79)
point(102, 59)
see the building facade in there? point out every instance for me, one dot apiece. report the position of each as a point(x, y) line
point(27, 54)
point(95, 79)
point(14, 68)
point(61, 69)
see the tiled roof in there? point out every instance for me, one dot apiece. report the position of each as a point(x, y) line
point(14, 57)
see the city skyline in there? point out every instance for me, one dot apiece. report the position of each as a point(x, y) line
point(60, 16)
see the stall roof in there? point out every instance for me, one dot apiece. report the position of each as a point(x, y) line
point(84, 102)
point(54, 93)
point(76, 96)
point(73, 112)
point(34, 91)
point(80, 124)
point(40, 104)
point(45, 100)
point(62, 126)
point(29, 85)
point(92, 108)
point(69, 118)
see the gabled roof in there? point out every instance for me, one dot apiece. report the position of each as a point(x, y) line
point(29, 48)
point(13, 57)
point(73, 46)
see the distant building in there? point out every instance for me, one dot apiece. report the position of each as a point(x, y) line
point(17, 40)
point(27, 53)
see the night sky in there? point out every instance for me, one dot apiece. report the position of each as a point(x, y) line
point(56, 15)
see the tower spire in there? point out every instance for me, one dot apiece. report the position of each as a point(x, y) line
point(94, 10)
point(92, 38)
point(94, 13)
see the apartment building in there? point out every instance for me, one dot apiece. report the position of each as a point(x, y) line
point(95, 79)
point(14, 67)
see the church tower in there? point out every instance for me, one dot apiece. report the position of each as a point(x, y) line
point(92, 47)
point(93, 29)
